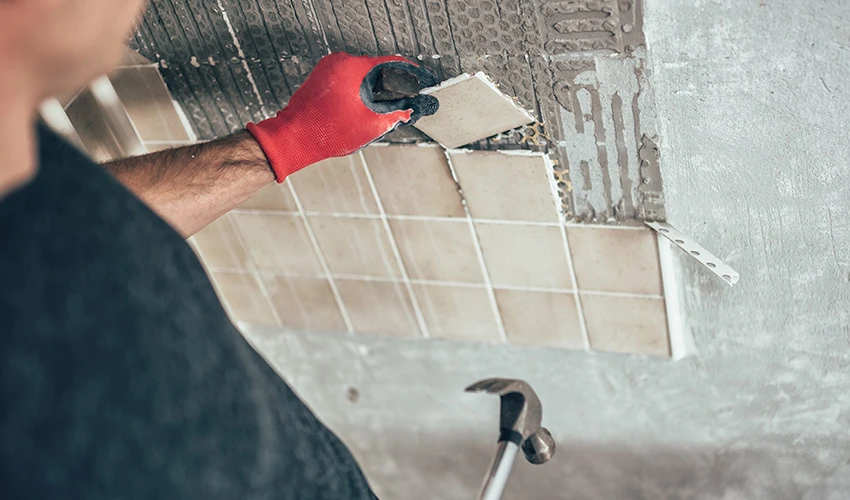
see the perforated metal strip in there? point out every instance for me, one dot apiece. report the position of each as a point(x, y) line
point(695, 250)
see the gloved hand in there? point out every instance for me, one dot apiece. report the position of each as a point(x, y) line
point(334, 113)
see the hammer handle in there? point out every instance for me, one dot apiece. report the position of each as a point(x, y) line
point(500, 469)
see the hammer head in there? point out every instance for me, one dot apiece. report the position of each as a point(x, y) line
point(520, 417)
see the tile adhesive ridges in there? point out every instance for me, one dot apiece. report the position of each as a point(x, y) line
point(578, 65)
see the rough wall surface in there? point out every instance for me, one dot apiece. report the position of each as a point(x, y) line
point(578, 65)
point(753, 104)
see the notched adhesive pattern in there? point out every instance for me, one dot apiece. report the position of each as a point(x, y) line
point(575, 64)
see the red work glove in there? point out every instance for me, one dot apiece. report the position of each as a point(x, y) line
point(334, 113)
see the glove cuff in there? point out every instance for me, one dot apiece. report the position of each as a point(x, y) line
point(290, 143)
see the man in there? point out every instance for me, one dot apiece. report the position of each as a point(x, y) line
point(121, 375)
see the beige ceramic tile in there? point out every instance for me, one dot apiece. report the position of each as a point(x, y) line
point(379, 307)
point(243, 298)
point(355, 246)
point(414, 180)
point(505, 186)
point(548, 319)
point(92, 129)
point(336, 185)
point(437, 250)
point(149, 104)
point(272, 197)
point(471, 108)
point(529, 256)
point(219, 245)
point(457, 312)
point(615, 260)
point(626, 324)
point(278, 242)
point(305, 304)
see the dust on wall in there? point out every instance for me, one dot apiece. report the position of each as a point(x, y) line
point(579, 65)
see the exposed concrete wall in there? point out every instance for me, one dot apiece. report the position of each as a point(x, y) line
point(754, 103)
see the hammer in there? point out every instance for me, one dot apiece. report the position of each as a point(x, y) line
point(519, 427)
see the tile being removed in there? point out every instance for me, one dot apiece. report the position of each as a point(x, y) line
point(471, 108)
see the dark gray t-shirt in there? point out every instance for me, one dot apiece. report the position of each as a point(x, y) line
point(122, 376)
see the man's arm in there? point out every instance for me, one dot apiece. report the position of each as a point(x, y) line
point(192, 186)
point(334, 113)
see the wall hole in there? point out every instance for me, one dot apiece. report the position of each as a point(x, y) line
point(352, 394)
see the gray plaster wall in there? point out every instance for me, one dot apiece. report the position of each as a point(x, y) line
point(752, 100)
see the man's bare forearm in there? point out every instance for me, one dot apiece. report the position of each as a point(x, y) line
point(192, 186)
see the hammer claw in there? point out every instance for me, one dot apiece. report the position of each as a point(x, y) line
point(498, 386)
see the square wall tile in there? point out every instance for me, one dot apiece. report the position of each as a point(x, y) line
point(379, 307)
point(437, 250)
point(335, 185)
point(505, 186)
point(529, 256)
point(631, 325)
point(355, 246)
point(92, 129)
point(454, 125)
point(272, 197)
point(414, 180)
point(219, 245)
point(278, 242)
point(458, 312)
point(615, 260)
point(548, 319)
point(243, 298)
point(305, 304)
point(149, 104)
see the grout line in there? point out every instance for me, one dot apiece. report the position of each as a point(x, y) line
point(242, 57)
point(417, 310)
point(253, 270)
point(606, 226)
point(553, 188)
point(321, 256)
point(515, 222)
point(465, 284)
point(310, 213)
point(579, 309)
point(500, 324)
point(626, 295)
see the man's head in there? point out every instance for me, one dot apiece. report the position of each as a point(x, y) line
point(59, 45)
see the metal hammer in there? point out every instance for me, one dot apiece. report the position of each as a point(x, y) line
point(519, 426)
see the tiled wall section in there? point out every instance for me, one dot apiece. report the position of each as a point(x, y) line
point(155, 115)
point(412, 241)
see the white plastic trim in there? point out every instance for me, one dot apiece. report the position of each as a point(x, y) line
point(695, 250)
